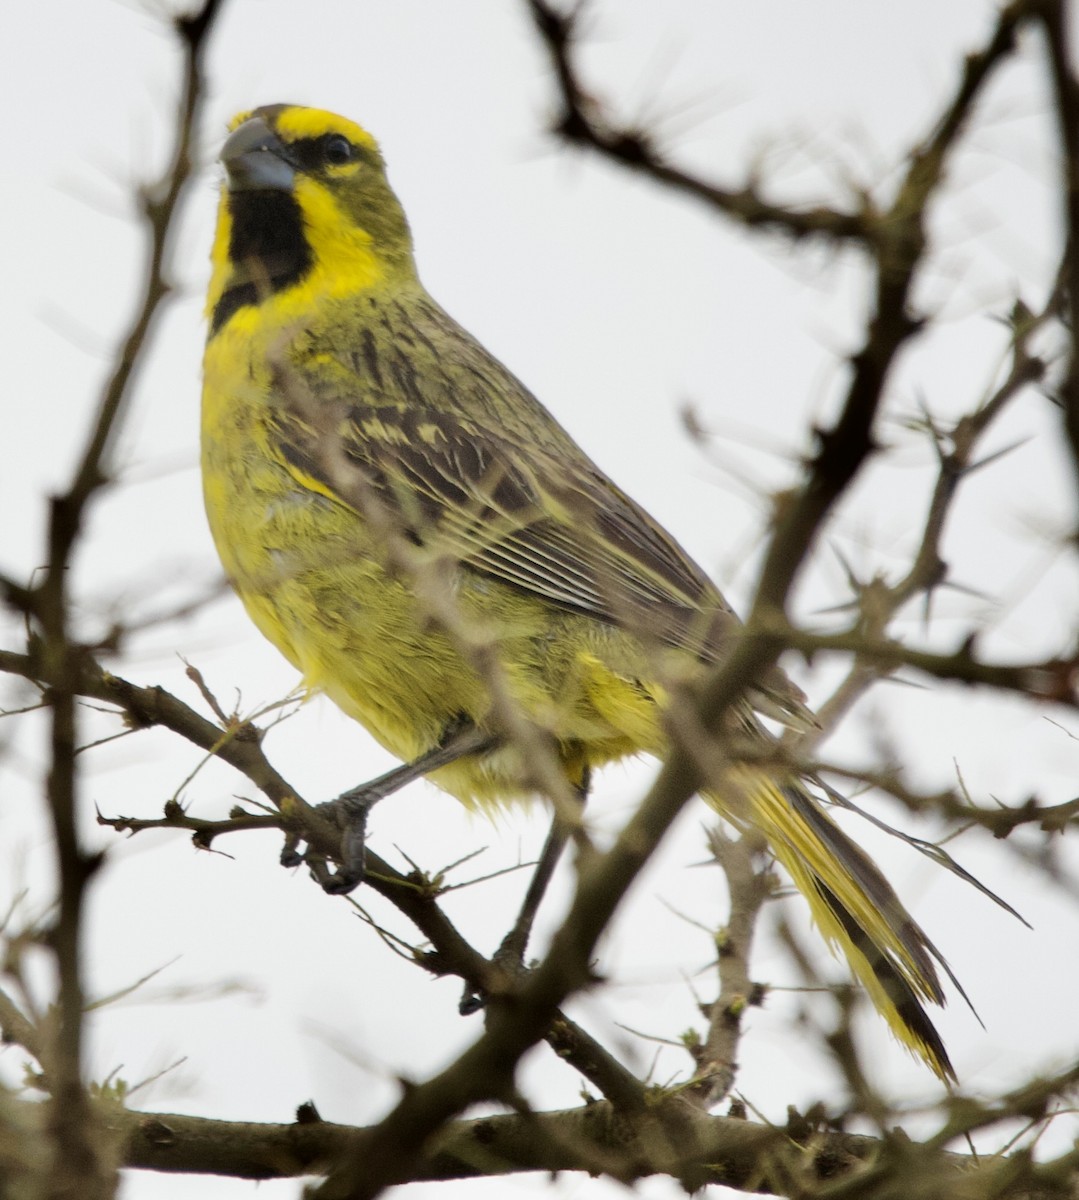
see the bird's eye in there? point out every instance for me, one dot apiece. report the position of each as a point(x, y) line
point(337, 149)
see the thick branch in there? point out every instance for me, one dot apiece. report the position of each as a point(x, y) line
point(240, 746)
point(735, 1153)
point(1054, 680)
point(80, 1161)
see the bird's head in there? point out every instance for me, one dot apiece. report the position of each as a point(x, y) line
point(306, 211)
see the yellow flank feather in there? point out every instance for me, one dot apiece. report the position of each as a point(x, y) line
point(367, 463)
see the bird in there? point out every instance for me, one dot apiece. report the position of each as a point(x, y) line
point(430, 548)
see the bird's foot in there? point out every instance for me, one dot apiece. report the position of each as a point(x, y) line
point(348, 813)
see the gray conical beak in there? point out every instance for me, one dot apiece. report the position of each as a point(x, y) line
point(256, 159)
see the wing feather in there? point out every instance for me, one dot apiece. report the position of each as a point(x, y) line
point(560, 530)
point(534, 514)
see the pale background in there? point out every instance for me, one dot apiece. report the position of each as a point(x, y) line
point(618, 305)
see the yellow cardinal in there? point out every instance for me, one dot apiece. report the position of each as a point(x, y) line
point(365, 460)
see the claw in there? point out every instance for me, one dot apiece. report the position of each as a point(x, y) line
point(349, 813)
point(350, 810)
point(291, 854)
point(472, 1000)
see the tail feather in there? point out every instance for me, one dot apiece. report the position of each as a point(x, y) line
point(890, 990)
point(853, 905)
point(917, 962)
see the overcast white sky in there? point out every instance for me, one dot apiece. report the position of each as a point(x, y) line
point(618, 305)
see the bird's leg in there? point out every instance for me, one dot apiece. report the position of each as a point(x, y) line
point(350, 810)
point(510, 954)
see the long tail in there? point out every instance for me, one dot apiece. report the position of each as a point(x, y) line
point(853, 905)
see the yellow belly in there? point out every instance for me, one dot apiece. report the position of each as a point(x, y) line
point(316, 584)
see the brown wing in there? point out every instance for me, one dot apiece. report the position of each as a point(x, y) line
point(532, 512)
point(554, 528)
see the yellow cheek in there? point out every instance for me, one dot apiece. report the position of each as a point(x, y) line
point(221, 268)
point(345, 260)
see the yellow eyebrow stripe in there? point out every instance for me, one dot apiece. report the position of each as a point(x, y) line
point(296, 123)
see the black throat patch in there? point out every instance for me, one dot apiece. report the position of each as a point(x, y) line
point(267, 248)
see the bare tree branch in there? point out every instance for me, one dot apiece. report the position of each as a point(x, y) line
point(1054, 17)
point(82, 1160)
point(676, 1140)
point(637, 1130)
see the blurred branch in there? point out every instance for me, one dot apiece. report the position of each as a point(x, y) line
point(486, 1070)
point(18, 1029)
point(240, 746)
point(1054, 679)
point(1054, 16)
point(1001, 820)
point(498, 1145)
point(894, 237)
point(81, 1158)
point(955, 446)
point(749, 887)
point(677, 1140)
point(159, 203)
point(641, 1131)
point(583, 121)
point(898, 247)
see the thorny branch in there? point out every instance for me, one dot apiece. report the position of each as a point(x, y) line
point(1054, 17)
point(894, 238)
point(749, 887)
point(416, 898)
point(897, 250)
point(583, 121)
point(421, 1137)
point(796, 1160)
point(81, 1160)
point(878, 602)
